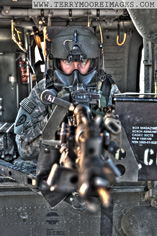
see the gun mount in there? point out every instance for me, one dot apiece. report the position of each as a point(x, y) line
point(85, 146)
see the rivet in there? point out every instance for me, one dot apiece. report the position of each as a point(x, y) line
point(46, 150)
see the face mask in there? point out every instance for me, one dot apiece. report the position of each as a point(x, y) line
point(61, 80)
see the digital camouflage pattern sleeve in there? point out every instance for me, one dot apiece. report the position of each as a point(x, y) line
point(108, 88)
point(31, 119)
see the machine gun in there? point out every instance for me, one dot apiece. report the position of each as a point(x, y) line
point(85, 145)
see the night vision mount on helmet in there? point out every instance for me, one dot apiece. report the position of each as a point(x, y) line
point(75, 43)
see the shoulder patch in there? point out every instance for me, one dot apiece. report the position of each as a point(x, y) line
point(27, 105)
point(21, 120)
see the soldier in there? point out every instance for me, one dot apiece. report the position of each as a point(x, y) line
point(75, 60)
point(76, 53)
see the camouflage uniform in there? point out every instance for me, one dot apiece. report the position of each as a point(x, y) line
point(32, 117)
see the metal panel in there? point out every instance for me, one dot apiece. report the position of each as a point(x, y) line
point(139, 122)
point(8, 90)
point(130, 212)
point(23, 212)
point(28, 214)
point(145, 22)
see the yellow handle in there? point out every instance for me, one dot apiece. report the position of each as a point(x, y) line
point(124, 39)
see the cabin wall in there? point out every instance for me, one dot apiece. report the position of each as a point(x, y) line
point(123, 62)
point(10, 92)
